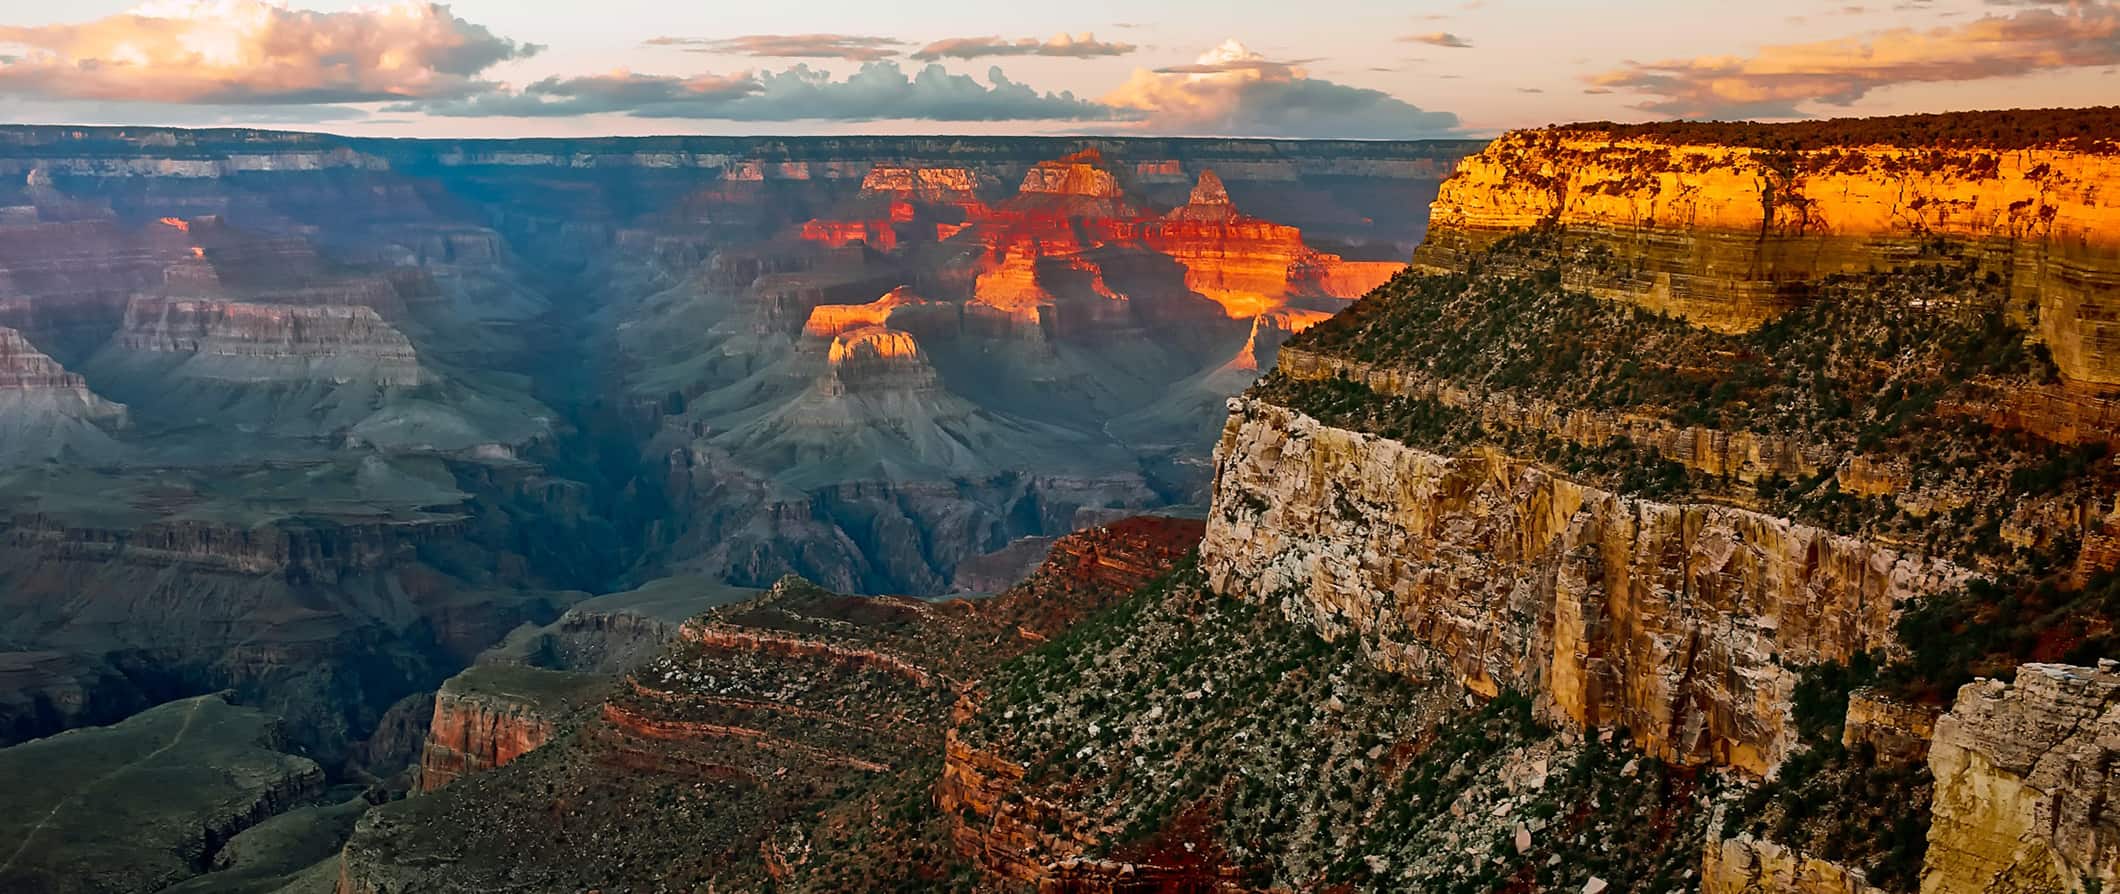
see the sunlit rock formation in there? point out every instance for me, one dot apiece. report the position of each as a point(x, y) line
point(1731, 236)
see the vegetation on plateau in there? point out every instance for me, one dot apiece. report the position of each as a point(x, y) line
point(2088, 129)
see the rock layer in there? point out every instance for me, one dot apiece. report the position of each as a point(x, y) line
point(267, 342)
point(1681, 622)
point(1729, 237)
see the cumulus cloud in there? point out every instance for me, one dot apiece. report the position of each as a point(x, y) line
point(252, 52)
point(1775, 82)
point(854, 47)
point(879, 91)
point(1439, 39)
point(1233, 91)
point(1084, 46)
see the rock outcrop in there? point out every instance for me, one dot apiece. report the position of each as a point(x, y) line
point(900, 308)
point(1680, 622)
point(878, 358)
point(1729, 236)
point(1248, 265)
point(2025, 784)
point(48, 413)
point(490, 715)
point(1747, 865)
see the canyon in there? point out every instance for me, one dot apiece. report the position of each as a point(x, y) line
point(1708, 507)
point(351, 432)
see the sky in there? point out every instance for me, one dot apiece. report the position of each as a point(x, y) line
point(1354, 69)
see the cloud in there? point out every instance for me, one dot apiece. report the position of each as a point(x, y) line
point(879, 91)
point(1232, 91)
point(251, 52)
point(1083, 47)
point(857, 48)
point(1773, 83)
point(1439, 39)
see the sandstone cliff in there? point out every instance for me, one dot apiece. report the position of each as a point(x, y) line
point(490, 715)
point(258, 342)
point(1730, 236)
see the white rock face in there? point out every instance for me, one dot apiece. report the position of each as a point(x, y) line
point(1680, 622)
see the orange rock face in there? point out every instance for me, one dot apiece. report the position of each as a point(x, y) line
point(832, 320)
point(899, 205)
point(1730, 237)
point(877, 358)
point(1079, 174)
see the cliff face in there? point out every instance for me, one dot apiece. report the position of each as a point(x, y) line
point(266, 342)
point(1730, 237)
point(490, 715)
point(2024, 784)
point(1681, 622)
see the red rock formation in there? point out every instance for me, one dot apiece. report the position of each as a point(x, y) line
point(490, 715)
point(468, 736)
point(712, 636)
point(874, 358)
point(1124, 556)
point(900, 308)
point(900, 204)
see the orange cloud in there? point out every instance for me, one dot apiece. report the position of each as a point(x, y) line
point(1232, 91)
point(253, 51)
point(1838, 72)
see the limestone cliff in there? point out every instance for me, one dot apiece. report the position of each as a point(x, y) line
point(1680, 621)
point(2025, 784)
point(1730, 236)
